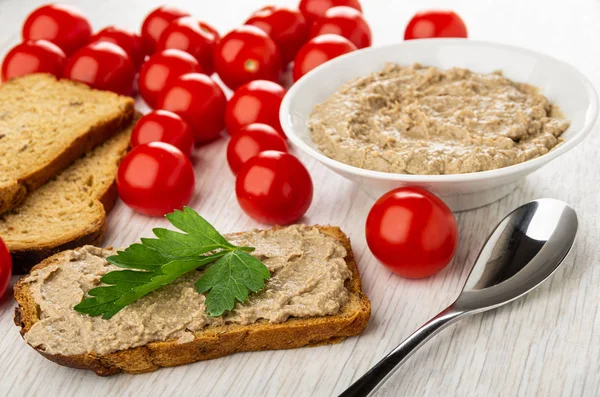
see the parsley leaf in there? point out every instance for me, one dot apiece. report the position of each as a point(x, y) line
point(190, 222)
point(138, 256)
point(201, 236)
point(229, 279)
point(160, 261)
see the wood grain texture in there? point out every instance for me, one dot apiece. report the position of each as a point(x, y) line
point(547, 344)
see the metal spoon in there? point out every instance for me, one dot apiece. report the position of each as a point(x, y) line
point(523, 251)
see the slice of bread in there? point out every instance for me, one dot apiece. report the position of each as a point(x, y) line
point(47, 124)
point(69, 211)
point(216, 341)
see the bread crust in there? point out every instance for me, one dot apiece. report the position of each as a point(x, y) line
point(14, 193)
point(24, 257)
point(213, 342)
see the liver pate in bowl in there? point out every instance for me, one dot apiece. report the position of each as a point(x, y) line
point(465, 119)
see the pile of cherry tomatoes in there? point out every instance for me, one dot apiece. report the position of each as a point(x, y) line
point(175, 57)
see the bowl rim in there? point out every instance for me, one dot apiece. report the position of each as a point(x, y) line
point(525, 167)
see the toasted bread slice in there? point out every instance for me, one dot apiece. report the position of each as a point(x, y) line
point(47, 124)
point(215, 341)
point(69, 211)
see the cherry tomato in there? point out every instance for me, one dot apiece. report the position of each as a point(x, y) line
point(412, 232)
point(346, 22)
point(200, 101)
point(250, 141)
point(192, 36)
point(39, 56)
point(274, 188)
point(104, 66)
point(315, 9)
point(255, 102)
point(155, 179)
point(60, 24)
point(161, 69)
point(288, 29)
point(245, 54)
point(164, 126)
point(131, 42)
point(318, 51)
point(435, 23)
point(5, 267)
point(155, 24)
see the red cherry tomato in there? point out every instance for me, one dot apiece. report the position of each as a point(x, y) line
point(346, 22)
point(131, 42)
point(155, 24)
point(436, 23)
point(161, 69)
point(412, 232)
point(274, 188)
point(245, 54)
point(60, 24)
point(255, 102)
point(155, 179)
point(200, 101)
point(192, 36)
point(250, 141)
point(164, 126)
point(5, 267)
point(104, 66)
point(318, 51)
point(288, 29)
point(315, 9)
point(38, 56)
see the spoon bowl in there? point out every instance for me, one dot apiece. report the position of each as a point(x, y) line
point(526, 247)
point(523, 251)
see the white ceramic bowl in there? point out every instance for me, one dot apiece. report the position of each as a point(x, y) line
point(560, 82)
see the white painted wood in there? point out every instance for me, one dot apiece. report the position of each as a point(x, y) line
point(547, 344)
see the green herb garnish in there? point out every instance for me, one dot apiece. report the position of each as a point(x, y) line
point(160, 261)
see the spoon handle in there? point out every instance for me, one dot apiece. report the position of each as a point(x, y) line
point(371, 381)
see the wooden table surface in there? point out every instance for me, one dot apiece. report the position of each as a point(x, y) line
point(547, 344)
